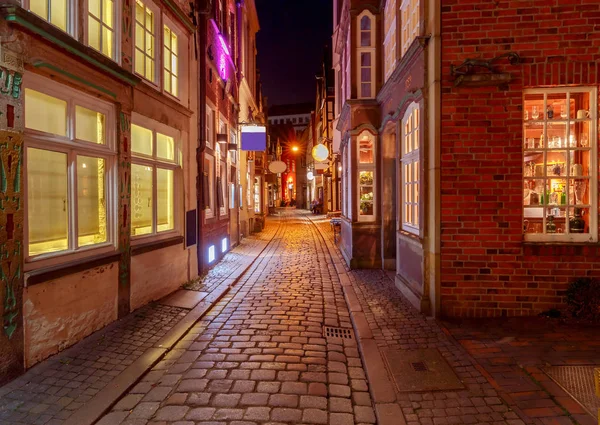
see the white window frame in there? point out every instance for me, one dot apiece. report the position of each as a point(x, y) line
point(389, 42)
point(210, 127)
point(158, 51)
point(592, 236)
point(116, 30)
point(156, 162)
point(371, 49)
point(366, 167)
point(347, 83)
point(410, 144)
point(210, 211)
point(350, 205)
point(410, 23)
point(73, 147)
point(182, 56)
point(71, 24)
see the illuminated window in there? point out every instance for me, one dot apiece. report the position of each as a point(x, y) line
point(145, 41)
point(210, 127)
point(211, 254)
point(257, 203)
point(366, 176)
point(366, 55)
point(153, 189)
point(54, 11)
point(389, 42)
point(68, 148)
point(101, 27)
point(409, 12)
point(170, 62)
point(224, 245)
point(560, 175)
point(411, 178)
point(209, 185)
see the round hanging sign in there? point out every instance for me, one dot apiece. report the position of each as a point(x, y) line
point(277, 167)
point(320, 152)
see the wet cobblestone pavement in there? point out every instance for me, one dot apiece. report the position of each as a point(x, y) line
point(260, 356)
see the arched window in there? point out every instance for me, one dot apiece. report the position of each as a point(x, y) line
point(366, 60)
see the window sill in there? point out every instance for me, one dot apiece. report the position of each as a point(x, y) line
point(19, 16)
point(50, 273)
point(154, 245)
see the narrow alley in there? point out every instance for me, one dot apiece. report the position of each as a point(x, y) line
point(261, 353)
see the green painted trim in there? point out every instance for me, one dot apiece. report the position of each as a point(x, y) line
point(19, 20)
point(177, 11)
point(40, 64)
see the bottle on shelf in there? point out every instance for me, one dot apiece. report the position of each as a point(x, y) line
point(550, 112)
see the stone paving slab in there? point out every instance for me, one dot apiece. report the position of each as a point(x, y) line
point(502, 372)
point(79, 384)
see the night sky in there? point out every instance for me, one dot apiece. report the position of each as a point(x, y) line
point(290, 43)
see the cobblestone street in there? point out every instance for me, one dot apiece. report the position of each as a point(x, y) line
point(259, 354)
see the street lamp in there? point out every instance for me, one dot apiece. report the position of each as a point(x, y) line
point(294, 148)
point(320, 152)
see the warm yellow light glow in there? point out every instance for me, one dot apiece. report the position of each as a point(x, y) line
point(320, 152)
point(45, 113)
point(165, 205)
point(141, 140)
point(141, 199)
point(340, 168)
point(295, 148)
point(91, 200)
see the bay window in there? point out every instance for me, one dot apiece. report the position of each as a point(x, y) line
point(410, 169)
point(54, 11)
point(389, 42)
point(410, 18)
point(69, 152)
point(366, 60)
point(153, 168)
point(101, 27)
point(560, 164)
point(145, 40)
point(366, 176)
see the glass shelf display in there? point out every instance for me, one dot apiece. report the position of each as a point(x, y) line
point(557, 159)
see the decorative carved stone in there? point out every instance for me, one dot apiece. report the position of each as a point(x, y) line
point(479, 72)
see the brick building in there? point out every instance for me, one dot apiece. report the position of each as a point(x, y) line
point(519, 208)
point(468, 137)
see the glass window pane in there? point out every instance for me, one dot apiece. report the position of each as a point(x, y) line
point(150, 44)
point(139, 62)
point(58, 13)
point(139, 12)
point(47, 202)
point(167, 81)
point(90, 125)
point(91, 200)
point(165, 147)
point(107, 42)
point(45, 113)
point(365, 59)
point(94, 7)
point(94, 33)
point(365, 150)
point(167, 58)
point(174, 88)
point(365, 90)
point(39, 7)
point(141, 199)
point(107, 15)
point(365, 23)
point(139, 36)
point(165, 200)
point(141, 140)
point(174, 46)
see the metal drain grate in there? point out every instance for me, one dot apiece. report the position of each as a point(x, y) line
point(331, 332)
point(419, 367)
point(578, 381)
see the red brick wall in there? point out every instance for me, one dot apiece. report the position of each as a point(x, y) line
point(487, 270)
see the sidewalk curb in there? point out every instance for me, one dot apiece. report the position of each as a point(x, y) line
point(381, 388)
point(92, 411)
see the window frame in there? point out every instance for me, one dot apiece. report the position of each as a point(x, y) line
point(183, 43)
point(366, 167)
point(116, 30)
point(72, 23)
point(390, 43)
point(73, 148)
point(158, 51)
point(210, 211)
point(156, 163)
point(410, 158)
point(411, 22)
point(567, 238)
point(372, 50)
